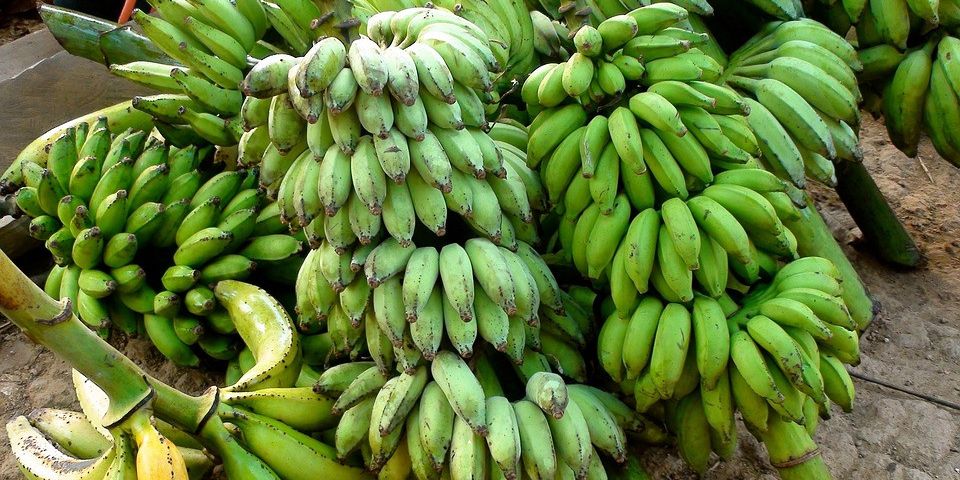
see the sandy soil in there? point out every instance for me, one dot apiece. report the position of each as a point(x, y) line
point(914, 344)
point(17, 23)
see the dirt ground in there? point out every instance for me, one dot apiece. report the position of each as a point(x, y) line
point(914, 344)
point(16, 25)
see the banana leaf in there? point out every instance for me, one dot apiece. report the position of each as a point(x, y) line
point(97, 39)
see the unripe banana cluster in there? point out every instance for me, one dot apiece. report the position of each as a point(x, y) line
point(779, 357)
point(406, 302)
point(804, 109)
point(644, 46)
point(336, 132)
point(504, 26)
point(578, 13)
point(919, 93)
point(106, 205)
point(208, 45)
point(735, 225)
point(451, 418)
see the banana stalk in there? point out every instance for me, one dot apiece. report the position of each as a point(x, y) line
point(815, 239)
point(97, 39)
point(48, 323)
point(792, 451)
point(882, 230)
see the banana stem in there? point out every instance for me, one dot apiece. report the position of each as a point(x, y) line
point(54, 326)
point(881, 228)
point(792, 452)
point(815, 239)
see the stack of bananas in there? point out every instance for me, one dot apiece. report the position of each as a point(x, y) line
point(258, 426)
point(449, 419)
point(578, 13)
point(505, 26)
point(66, 445)
point(116, 210)
point(335, 134)
point(608, 57)
point(787, 342)
point(804, 107)
point(208, 45)
point(920, 93)
point(405, 303)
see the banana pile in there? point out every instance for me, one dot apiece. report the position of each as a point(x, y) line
point(406, 303)
point(608, 57)
point(336, 132)
point(504, 25)
point(805, 95)
point(780, 354)
point(577, 14)
point(208, 49)
point(449, 419)
point(124, 215)
point(920, 94)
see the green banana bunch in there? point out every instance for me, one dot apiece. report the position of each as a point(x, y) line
point(775, 355)
point(418, 297)
point(450, 417)
point(733, 226)
point(803, 78)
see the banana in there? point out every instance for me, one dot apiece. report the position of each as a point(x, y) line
point(268, 332)
point(752, 368)
point(837, 383)
point(793, 313)
point(320, 65)
point(42, 458)
point(267, 438)
point(469, 62)
point(419, 279)
point(536, 443)
point(470, 463)
point(625, 136)
point(503, 437)
point(456, 273)
point(436, 425)
point(462, 390)
point(399, 215)
point(433, 72)
point(552, 126)
point(428, 202)
point(492, 273)
point(341, 93)
point(571, 437)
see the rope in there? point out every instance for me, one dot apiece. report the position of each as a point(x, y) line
point(929, 398)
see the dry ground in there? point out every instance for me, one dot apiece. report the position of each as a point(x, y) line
point(915, 344)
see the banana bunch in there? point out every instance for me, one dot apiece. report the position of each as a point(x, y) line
point(804, 98)
point(406, 302)
point(503, 25)
point(551, 38)
point(777, 357)
point(579, 13)
point(454, 420)
point(108, 204)
point(918, 93)
point(646, 46)
point(208, 44)
point(725, 238)
point(336, 132)
point(895, 22)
